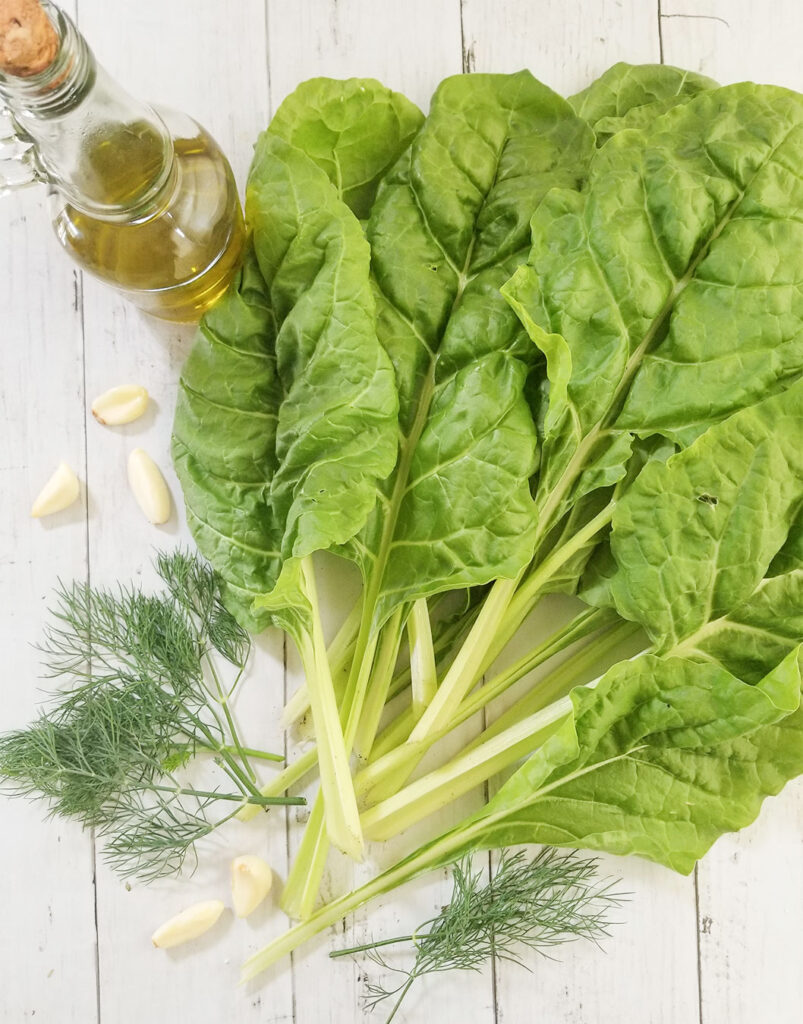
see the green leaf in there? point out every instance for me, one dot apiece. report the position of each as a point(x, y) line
point(354, 130)
point(224, 443)
point(765, 627)
point(694, 537)
point(336, 426)
point(640, 294)
point(633, 95)
point(449, 225)
point(286, 417)
point(659, 759)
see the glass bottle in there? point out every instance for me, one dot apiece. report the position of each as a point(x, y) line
point(144, 200)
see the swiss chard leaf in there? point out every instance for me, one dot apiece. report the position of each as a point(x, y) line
point(640, 294)
point(449, 225)
point(633, 95)
point(286, 416)
point(673, 748)
point(659, 759)
point(694, 538)
point(354, 130)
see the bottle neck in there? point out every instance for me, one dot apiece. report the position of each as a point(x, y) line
point(107, 153)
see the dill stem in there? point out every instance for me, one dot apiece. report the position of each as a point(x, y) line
point(370, 945)
point(259, 755)
point(402, 994)
point(223, 700)
point(263, 801)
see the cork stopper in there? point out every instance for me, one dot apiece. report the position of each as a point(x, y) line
point(28, 41)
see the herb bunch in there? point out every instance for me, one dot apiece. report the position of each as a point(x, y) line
point(143, 694)
point(535, 904)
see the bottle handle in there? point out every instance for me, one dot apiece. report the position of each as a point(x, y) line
point(18, 166)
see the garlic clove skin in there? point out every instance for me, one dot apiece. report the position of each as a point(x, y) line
point(187, 925)
point(61, 490)
point(149, 487)
point(251, 881)
point(120, 405)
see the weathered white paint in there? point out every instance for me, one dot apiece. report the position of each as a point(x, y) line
point(47, 946)
point(59, 332)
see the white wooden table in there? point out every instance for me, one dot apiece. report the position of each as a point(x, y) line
point(720, 947)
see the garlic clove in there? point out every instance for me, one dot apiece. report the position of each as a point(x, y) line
point(251, 880)
point(189, 924)
point(149, 487)
point(61, 490)
point(120, 405)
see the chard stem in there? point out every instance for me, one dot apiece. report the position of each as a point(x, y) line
point(375, 698)
point(303, 882)
point(395, 734)
point(338, 654)
point(423, 674)
point(443, 785)
point(374, 779)
point(341, 815)
point(462, 675)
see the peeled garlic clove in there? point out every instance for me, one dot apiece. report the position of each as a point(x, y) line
point(251, 879)
point(61, 490)
point(149, 487)
point(120, 405)
point(189, 924)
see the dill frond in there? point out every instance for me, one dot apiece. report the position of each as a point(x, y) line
point(528, 904)
point(142, 693)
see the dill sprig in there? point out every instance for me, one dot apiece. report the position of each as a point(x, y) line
point(534, 904)
point(142, 693)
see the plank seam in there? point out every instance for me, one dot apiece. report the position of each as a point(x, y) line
point(78, 285)
point(697, 939)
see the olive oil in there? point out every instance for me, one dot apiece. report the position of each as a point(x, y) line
point(143, 199)
point(175, 256)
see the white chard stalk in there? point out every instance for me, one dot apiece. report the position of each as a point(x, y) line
point(120, 405)
point(149, 487)
point(187, 925)
point(251, 881)
point(61, 490)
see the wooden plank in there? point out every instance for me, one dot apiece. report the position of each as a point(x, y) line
point(48, 942)
point(208, 60)
point(734, 40)
point(564, 44)
point(750, 886)
point(409, 47)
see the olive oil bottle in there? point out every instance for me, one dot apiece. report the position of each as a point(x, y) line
point(144, 200)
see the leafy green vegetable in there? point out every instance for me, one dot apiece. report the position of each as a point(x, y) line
point(449, 224)
point(353, 130)
point(694, 538)
point(290, 367)
point(631, 291)
point(633, 95)
point(666, 751)
point(144, 696)
point(632, 287)
point(693, 545)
